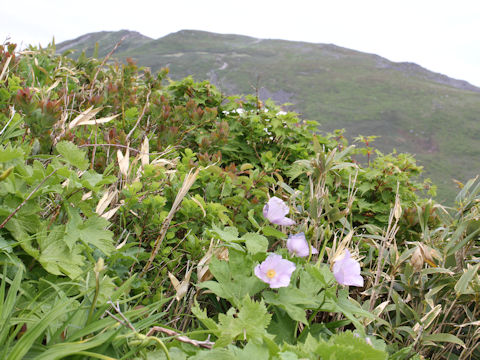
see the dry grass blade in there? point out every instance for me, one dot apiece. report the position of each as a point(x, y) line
point(388, 238)
point(181, 287)
point(5, 67)
point(99, 121)
point(187, 184)
point(123, 161)
point(55, 84)
point(105, 201)
point(144, 152)
point(83, 116)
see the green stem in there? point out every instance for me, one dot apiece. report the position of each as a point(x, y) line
point(94, 302)
point(94, 355)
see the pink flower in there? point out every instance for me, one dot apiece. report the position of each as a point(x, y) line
point(298, 245)
point(347, 271)
point(275, 210)
point(275, 271)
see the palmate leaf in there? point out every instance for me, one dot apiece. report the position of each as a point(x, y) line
point(55, 256)
point(249, 323)
point(347, 346)
point(316, 291)
point(72, 154)
point(234, 279)
point(340, 346)
point(92, 231)
point(9, 153)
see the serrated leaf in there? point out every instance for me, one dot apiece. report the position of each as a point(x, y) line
point(92, 231)
point(72, 154)
point(10, 153)
point(251, 351)
point(248, 324)
point(203, 317)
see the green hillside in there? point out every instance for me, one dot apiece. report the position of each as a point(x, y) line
point(412, 109)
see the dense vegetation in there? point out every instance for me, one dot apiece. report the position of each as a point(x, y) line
point(133, 226)
point(411, 109)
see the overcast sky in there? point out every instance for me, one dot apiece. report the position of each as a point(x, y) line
point(440, 35)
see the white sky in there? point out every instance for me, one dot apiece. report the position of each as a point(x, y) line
point(440, 35)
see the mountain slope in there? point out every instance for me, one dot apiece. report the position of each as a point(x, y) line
point(412, 109)
point(106, 40)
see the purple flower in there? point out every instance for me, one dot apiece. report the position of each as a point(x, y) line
point(347, 271)
point(275, 271)
point(275, 210)
point(298, 245)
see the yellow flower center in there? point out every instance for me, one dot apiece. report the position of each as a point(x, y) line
point(271, 273)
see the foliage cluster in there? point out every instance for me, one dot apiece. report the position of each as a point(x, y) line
point(411, 109)
point(116, 184)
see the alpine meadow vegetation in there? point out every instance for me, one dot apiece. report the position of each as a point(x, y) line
point(145, 218)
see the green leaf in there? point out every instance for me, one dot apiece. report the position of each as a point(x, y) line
point(255, 243)
point(92, 232)
point(270, 231)
point(443, 337)
point(251, 351)
point(72, 154)
point(7, 304)
point(233, 283)
point(61, 350)
point(461, 287)
point(5, 246)
point(228, 234)
point(203, 317)
point(55, 256)
point(10, 153)
point(27, 340)
point(248, 324)
point(252, 220)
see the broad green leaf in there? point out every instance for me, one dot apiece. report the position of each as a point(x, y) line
point(5, 246)
point(56, 257)
point(92, 231)
point(281, 325)
point(18, 228)
point(228, 234)
point(251, 351)
point(10, 153)
point(255, 243)
point(92, 180)
point(214, 354)
point(72, 154)
point(249, 323)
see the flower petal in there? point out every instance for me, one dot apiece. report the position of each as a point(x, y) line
point(347, 271)
point(298, 245)
point(275, 271)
